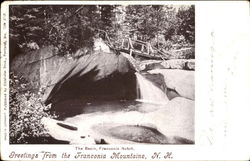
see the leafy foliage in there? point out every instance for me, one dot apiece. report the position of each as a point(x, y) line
point(187, 23)
point(163, 26)
point(26, 112)
point(71, 27)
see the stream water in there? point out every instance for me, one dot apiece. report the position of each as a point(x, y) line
point(121, 119)
point(148, 92)
point(149, 98)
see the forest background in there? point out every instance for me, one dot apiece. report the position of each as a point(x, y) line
point(71, 27)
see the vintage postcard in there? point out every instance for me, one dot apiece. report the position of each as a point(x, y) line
point(125, 80)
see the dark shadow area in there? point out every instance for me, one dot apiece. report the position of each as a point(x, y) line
point(78, 92)
point(93, 78)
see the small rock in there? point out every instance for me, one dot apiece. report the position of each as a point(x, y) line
point(174, 64)
point(190, 65)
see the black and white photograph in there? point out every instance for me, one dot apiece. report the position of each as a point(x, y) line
point(102, 74)
point(125, 80)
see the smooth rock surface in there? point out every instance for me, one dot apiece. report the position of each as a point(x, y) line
point(96, 75)
point(186, 64)
point(182, 81)
point(173, 124)
point(144, 64)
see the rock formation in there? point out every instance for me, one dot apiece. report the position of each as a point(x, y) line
point(94, 76)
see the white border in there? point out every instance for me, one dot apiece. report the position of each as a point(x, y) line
point(4, 81)
point(222, 84)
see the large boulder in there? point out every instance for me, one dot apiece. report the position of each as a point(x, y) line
point(99, 75)
point(144, 65)
point(37, 66)
point(181, 81)
point(157, 80)
point(186, 64)
point(177, 119)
